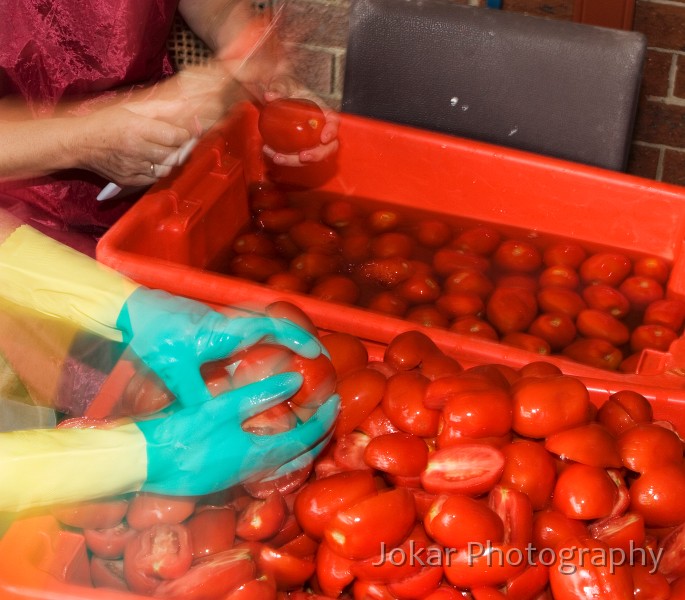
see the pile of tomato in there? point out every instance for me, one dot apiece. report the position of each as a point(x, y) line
point(439, 483)
point(599, 307)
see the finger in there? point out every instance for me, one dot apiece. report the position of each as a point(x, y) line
point(309, 433)
point(254, 398)
point(300, 462)
point(319, 153)
point(187, 385)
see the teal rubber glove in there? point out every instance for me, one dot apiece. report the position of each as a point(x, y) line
point(202, 448)
point(174, 336)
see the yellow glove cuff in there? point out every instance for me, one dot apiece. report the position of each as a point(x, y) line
point(39, 273)
point(42, 467)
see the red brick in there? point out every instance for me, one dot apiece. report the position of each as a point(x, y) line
point(558, 9)
point(656, 73)
point(674, 167)
point(663, 24)
point(679, 88)
point(316, 23)
point(314, 67)
point(643, 161)
point(660, 123)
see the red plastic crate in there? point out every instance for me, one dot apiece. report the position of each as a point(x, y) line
point(186, 224)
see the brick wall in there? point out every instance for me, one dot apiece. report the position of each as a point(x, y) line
point(316, 30)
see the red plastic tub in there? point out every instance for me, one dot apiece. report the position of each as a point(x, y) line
point(176, 233)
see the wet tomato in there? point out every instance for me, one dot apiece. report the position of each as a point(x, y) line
point(610, 268)
point(658, 495)
point(291, 124)
point(529, 468)
point(346, 351)
point(511, 309)
point(648, 445)
point(403, 403)
point(397, 453)
point(212, 530)
point(590, 444)
point(517, 256)
point(470, 468)
point(584, 492)
point(162, 551)
point(360, 392)
point(147, 509)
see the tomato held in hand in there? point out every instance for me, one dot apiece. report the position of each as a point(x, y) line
point(291, 124)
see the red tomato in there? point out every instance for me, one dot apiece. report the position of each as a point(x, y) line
point(539, 368)
point(649, 584)
point(211, 577)
point(162, 551)
point(672, 563)
point(546, 405)
point(528, 342)
point(568, 254)
point(530, 469)
point(590, 444)
point(448, 260)
point(312, 265)
point(392, 243)
point(339, 213)
point(261, 588)
point(594, 323)
point(485, 564)
point(558, 330)
point(471, 469)
point(480, 239)
point(439, 365)
point(648, 445)
point(398, 453)
point(658, 496)
point(348, 451)
point(288, 571)
point(291, 124)
point(518, 256)
point(584, 569)
point(479, 413)
point(584, 492)
point(641, 291)
point(623, 410)
point(212, 530)
point(550, 528)
point(610, 268)
point(106, 573)
point(433, 233)
point(607, 299)
point(109, 543)
point(559, 275)
point(656, 337)
point(320, 500)
point(253, 242)
point(560, 300)
point(515, 511)
point(669, 312)
point(455, 520)
point(336, 288)
point(511, 309)
point(255, 267)
point(357, 532)
point(95, 514)
point(406, 350)
point(440, 391)
point(346, 351)
point(475, 327)
point(287, 282)
point(469, 280)
point(360, 392)
point(147, 509)
point(312, 236)
point(652, 266)
point(261, 519)
point(595, 352)
point(626, 531)
point(460, 304)
point(419, 288)
point(426, 315)
point(387, 272)
point(333, 572)
point(388, 303)
point(403, 403)
point(418, 585)
point(355, 247)
point(276, 419)
point(377, 423)
point(382, 220)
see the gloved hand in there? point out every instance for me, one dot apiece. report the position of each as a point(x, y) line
point(173, 336)
point(215, 452)
point(191, 450)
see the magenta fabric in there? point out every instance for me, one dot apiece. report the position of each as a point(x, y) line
point(77, 49)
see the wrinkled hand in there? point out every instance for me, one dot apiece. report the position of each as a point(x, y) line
point(174, 336)
point(202, 449)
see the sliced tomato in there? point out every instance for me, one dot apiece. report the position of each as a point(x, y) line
point(471, 469)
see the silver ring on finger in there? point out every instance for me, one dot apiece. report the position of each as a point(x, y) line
point(152, 170)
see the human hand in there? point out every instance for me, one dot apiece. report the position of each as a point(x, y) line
point(202, 449)
point(174, 336)
point(285, 86)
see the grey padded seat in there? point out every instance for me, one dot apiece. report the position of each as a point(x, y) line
point(552, 87)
